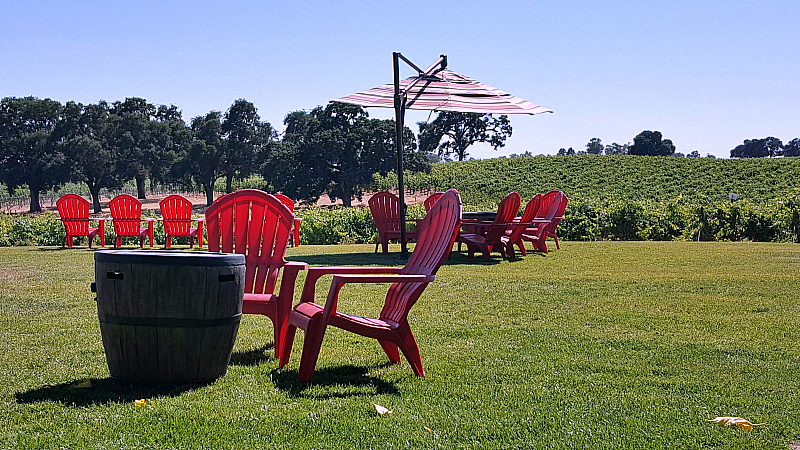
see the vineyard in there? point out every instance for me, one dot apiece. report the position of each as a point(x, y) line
point(482, 183)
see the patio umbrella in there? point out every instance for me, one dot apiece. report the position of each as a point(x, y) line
point(437, 89)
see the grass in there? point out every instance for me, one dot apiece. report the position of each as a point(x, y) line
point(598, 345)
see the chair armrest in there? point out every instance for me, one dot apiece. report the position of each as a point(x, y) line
point(288, 278)
point(383, 278)
point(315, 273)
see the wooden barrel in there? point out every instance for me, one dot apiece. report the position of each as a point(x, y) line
point(168, 316)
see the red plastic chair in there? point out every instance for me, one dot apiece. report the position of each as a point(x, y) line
point(391, 328)
point(551, 230)
point(256, 224)
point(514, 235)
point(538, 234)
point(431, 200)
point(177, 216)
point(74, 212)
point(486, 235)
point(126, 212)
point(295, 232)
point(385, 209)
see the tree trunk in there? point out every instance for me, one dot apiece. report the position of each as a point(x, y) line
point(35, 205)
point(228, 183)
point(140, 193)
point(95, 191)
point(209, 188)
point(347, 196)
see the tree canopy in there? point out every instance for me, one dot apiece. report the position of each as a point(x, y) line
point(792, 148)
point(337, 150)
point(758, 148)
point(248, 141)
point(30, 153)
point(649, 143)
point(461, 130)
point(594, 146)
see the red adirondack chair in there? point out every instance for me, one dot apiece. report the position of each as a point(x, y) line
point(295, 232)
point(486, 235)
point(562, 207)
point(126, 212)
point(391, 328)
point(514, 235)
point(385, 209)
point(74, 212)
point(538, 234)
point(256, 224)
point(431, 200)
point(177, 217)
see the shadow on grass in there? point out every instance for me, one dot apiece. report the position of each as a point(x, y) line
point(103, 391)
point(76, 248)
point(379, 259)
point(253, 357)
point(340, 382)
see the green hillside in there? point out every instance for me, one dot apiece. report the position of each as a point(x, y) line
point(599, 177)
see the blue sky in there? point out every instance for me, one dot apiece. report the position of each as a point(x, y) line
point(706, 74)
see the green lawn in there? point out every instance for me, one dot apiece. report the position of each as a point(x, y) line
point(598, 345)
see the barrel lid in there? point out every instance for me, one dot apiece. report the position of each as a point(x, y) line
point(169, 257)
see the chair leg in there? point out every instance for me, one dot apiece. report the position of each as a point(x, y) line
point(288, 342)
point(167, 241)
point(486, 251)
point(521, 246)
point(311, 349)
point(408, 345)
point(385, 246)
point(558, 247)
point(279, 331)
point(391, 350)
point(510, 250)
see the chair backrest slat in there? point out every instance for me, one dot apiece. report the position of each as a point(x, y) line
point(255, 224)
point(385, 209)
point(177, 214)
point(531, 209)
point(429, 202)
point(74, 212)
point(126, 211)
point(438, 231)
point(506, 211)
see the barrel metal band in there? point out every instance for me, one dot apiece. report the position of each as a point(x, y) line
point(170, 322)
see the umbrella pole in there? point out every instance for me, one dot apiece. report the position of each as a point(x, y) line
point(399, 113)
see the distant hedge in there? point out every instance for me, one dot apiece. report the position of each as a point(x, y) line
point(607, 219)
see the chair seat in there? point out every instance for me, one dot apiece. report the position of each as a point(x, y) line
point(259, 303)
point(309, 310)
point(471, 237)
point(141, 232)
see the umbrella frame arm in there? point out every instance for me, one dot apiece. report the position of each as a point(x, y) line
point(400, 99)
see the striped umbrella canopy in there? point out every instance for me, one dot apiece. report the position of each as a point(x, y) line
point(445, 90)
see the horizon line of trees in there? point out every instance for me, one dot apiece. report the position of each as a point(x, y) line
point(334, 150)
point(650, 143)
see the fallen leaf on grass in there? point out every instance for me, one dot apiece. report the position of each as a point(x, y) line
point(381, 410)
point(139, 402)
point(83, 384)
point(737, 422)
point(428, 429)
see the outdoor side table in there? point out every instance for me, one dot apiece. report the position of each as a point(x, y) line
point(168, 316)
